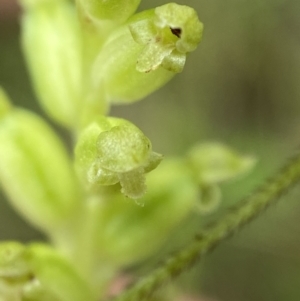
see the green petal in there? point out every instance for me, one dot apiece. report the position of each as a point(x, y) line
point(185, 20)
point(52, 45)
point(174, 62)
point(133, 183)
point(123, 148)
point(143, 31)
point(152, 56)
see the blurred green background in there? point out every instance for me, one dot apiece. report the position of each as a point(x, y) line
point(242, 88)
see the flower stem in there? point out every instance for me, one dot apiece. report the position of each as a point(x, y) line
point(233, 221)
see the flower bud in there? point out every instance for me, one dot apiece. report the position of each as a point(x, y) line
point(213, 163)
point(111, 151)
point(35, 171)
point(146, 52)
point(52, 47)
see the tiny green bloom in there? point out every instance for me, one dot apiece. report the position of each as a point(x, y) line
point(146, 52)
point(111, 151)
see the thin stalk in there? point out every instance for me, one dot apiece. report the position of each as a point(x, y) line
point(234, 220)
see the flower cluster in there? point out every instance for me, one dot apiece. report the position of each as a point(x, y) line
point(82, 58)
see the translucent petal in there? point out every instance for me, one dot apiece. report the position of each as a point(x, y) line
point(153, 161)
point(142, 31)
point(152, 56)
point(174, 62)
point(133, 183)
point(123, 148)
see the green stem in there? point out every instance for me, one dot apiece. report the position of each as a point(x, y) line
point(233, 221)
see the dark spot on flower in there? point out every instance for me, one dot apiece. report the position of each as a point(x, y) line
point(176, 32)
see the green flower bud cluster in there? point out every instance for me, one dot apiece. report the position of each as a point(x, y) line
point(111, 155)
point(82, 58)
point(80, 65)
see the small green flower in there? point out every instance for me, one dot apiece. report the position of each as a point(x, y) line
point(111, 151)
point(146, 52)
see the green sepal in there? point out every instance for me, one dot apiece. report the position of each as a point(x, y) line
point(123, 148)
point(115, 70)
point(52, 45)
point(36, 172)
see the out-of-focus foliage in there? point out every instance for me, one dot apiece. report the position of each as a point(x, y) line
point(242, 87)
